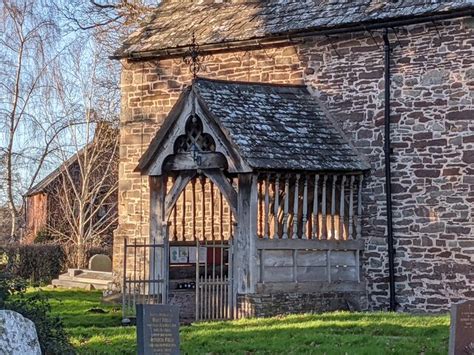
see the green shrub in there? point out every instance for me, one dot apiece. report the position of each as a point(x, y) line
point(37, 263)
point(52, 337)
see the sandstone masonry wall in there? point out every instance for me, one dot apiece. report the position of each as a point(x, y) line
point(433, 144)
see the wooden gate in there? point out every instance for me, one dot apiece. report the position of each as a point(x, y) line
point(202, 217)
point(214, 292)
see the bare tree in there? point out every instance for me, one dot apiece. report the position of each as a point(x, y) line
point(108, 20)
point(28, 56)
point(85, 198)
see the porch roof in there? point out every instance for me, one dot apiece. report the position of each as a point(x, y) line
point(277, 127)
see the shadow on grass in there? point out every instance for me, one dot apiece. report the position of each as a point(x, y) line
point(313, 339)
point(75, 308)
point(331, 333)
point(370, 323)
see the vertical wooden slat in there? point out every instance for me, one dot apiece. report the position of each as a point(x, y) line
point(359, 209)
point(206, 286)
point(324, 232)
point(351, 209)
point(342, 208)
point(333, 207)
point(260, 208)
point(304, 223)
point(145, 262)
point(198, 285)
point(315, 208)
point(231, 292)
point(135, 278)
point(218, 298)
point(226, 299)
point(267, 208)
point(296, 207)
point(214, 282)
point(183, 216)
point(221, 216)
point(286, 207)
point(193, 208)
point(203, 207)
point(276, 207)
point(213, 236)
point(175, 223)
point(231, 217)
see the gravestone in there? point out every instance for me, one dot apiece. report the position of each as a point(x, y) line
point(158, 329)
point(17, 334)
point(461, 341)
point(100, 262)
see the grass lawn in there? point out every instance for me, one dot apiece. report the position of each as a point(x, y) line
point(332, 333)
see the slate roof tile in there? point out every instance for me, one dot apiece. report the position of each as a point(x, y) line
point(278, 127)
point(172, 24)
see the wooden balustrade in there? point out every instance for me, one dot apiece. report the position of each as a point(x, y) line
point(309, 206)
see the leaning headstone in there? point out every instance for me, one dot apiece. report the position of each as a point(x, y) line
point(461, 340)
point(158, 329)
point(17, 334)
point(100, 262)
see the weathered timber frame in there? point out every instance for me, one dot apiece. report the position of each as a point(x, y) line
point(293, 231)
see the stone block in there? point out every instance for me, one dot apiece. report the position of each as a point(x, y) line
point(17, 334)
point(100, 262)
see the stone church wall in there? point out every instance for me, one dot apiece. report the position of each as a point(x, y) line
point(433, 144)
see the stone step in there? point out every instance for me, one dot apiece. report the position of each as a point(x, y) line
point(84, 279)
point(78, 284)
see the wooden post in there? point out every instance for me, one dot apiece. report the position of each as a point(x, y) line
point(183, 216)
point(158, 228)
point(245, 248)
point(193, 209)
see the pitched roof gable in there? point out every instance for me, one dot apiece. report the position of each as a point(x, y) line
point(221, 23)
point(274, 127)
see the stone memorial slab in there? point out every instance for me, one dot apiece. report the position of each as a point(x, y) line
point(100, 262)
point(158, 329)
point(461, 341)
point(17, 334)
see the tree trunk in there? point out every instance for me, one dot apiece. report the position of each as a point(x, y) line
point(13, 215)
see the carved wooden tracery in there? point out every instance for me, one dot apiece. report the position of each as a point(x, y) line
point(194, 138)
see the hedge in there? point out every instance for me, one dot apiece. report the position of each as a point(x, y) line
point(37, 263)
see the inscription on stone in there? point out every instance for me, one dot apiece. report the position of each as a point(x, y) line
point(158, 329)
point(461, 341)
